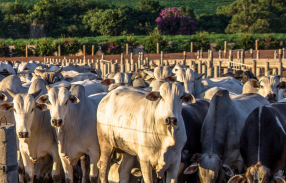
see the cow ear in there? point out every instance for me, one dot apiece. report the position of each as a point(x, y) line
point(227, 170)
point(199, 76)
point(277, 179)
point(42, 107)
point(73, 99)
point(35, 94)
point(153, 96)
point(43, 99)
point(254, 83)
point(171, 78)
point(188, 98)
point(237, 179)
point(196, 157)
point(107, 82)
point(6, 106)
point(67, 78)
point(282, 85)
point(192, 168)
point(136, 172)
point(3, 97)
point(284, 95)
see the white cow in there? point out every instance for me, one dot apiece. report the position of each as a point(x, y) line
point(76, 76)
point(36, 136)
point(74, 116)
point(7, 68)
point(117, 79)
point(143, 124)
point(267, 86)
point(26, 66)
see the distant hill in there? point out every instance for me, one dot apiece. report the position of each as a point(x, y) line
point(199, 6)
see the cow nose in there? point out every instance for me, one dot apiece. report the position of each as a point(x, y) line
point(171, 121)
point(271, 96)
point(54, 122)
point(60, 122)
point(23, 134)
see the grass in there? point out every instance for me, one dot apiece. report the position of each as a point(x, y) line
point(214, 38)
point(199, 6)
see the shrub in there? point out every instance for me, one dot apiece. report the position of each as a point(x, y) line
point(180, 46)
point(201, 41)
point(244, 42)
point(4, 50)
point(20, 50)
point(172, 23)
point(113, 47)
point(220, 45)
point(70, 46)
point(88, 48)
point(46, 47)
point(268, 42)
point(150, 43)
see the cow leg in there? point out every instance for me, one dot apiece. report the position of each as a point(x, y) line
point(172, 171)
point(68, 169)
point(103, 163)
point(57, 166)
point(43, 167)
point(29, 167)
point(126, 167)
point(146, 170)
point(94, 158)
point(21, 168)
point(84, 163)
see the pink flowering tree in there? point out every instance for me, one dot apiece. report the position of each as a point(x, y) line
point(172, 22)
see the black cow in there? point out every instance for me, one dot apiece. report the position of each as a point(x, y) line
point(263, 145)
point(193, 115)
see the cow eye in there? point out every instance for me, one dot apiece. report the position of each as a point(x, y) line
point(181, 97)
point(66, 102)
point(32, 110)
point(261, 86)
point(15, 110)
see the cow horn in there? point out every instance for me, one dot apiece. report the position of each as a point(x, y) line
point(59, 70)
point(38, 72)
point(35, 94)
point(11, 93)
point(48, 87)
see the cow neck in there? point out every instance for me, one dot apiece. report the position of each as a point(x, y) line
point(198, 87)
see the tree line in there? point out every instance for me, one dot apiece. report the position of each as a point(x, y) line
point(82, 18)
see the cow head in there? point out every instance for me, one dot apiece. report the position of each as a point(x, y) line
point(257, 173)
point(57, 101)
point(51, 77)
point(208, 166)
point(24, 106)
point(267, 86)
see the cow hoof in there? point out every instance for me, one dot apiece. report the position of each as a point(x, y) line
point(68, 181)
point(21, 170)
point(27, 177)
point(57, 178)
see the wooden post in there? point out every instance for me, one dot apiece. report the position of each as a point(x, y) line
point(122, 58)
point(92, 50)
point(230, 55)
point(225, 70)
point(225, 46)
point(113, 68)
point(201, 53)
point(192, 47)
point(131, 57)
point(126, 49)
point(200, 67)
point(257, 54)
point(219, 54)
point(256, 44)
point(8, 153)
point(59, 50)
point(254, 67)
point(211, 55)
point(258, 72)
point(102, 57)
point(204, 70)
point(280, 55)
point(83, 50)
point(216, 74)
point(280, 68)
point(283, 53)
point(274, 71)
point(242, 57)
point(158, 48)
point(185, 57)
point(26, 51)
point(162, 58)
point(251, 53)
point(198, 54)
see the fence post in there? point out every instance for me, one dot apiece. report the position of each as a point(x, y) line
point(256, 44)
point(257, 54)
point(211, 55)
point(204, 70)
point(230, 55)
point(201, 53)
point(254, 67)
point(126, 49)
point(83, 50)
point(8, 152)
point(59, 50)
point(225, 70)
point(122, 58)
point(162, 58)
point(225, 48)
point(216, 74)
point(283, 53)
point(185, 57)
point(113, 68)
point(238, 54)
point(92, 50)
point(275, 54)
point(258, 72)
point(26, 51)
point(251, 53)
point(198, 54)
point(131, 57)
point(200, 67)
point(192, 47)
point(219, 54)
point(274, 71)
point(280, 68)
point(158, 48)
point(242, 57)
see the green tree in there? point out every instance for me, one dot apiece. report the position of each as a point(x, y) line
point(187, 11)
point(149, 5)
point(212, 23)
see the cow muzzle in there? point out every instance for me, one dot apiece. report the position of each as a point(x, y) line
point(271, 97)
point(57, 122)
point(23, 134)
point(171, 121)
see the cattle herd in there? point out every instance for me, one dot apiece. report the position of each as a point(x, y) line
point(165, 124)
